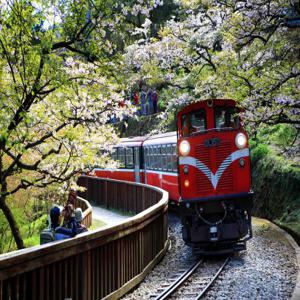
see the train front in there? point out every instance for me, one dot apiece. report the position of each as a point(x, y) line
point(214, 177)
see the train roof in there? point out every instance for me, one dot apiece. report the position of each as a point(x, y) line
point(209, 103)
point(132, 141)
point(163, 138)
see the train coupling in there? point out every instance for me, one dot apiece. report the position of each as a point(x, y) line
point(213, 230)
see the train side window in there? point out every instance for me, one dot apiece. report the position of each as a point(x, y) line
point(154, 157)
point(121, 156)
point(174, 157)
point(164, 158)
point(152, 163)
point(151, 158)
point(114, 154)
point(129, 158)
point(146, 157)
point(226, 117)
point(169, 151)
point(157, 158)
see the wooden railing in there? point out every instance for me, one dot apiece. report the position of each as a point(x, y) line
point(87, 211)
point(103, 263)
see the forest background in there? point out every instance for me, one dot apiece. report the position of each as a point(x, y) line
point(66, 67)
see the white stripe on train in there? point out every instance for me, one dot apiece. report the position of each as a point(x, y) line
point(214, 177)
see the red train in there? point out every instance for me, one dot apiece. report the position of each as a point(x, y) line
point(204, 166)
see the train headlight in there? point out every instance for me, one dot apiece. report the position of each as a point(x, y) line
point(240, 140)
point(186, 183)
point(184, 148)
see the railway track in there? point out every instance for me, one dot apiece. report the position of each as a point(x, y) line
point(200, 283)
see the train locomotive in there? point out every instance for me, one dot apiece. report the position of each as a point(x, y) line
point(205, 167)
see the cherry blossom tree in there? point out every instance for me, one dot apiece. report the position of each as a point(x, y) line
point(229, 49)
point(60, 85)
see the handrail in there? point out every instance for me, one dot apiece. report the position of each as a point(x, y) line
point(87, 211)
point(106, 262)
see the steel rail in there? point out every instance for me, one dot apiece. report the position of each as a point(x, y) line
point(202, 293)
point(173, 287)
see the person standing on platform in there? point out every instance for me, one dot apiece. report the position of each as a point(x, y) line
point(136, 101)
point(143, 102)
point(154, 100)
point(150, 103)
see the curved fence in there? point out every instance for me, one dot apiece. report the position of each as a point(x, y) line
point(103, 263)
point(87, 211)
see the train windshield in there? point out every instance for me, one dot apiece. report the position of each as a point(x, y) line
point(227, 117)
point(193, 122)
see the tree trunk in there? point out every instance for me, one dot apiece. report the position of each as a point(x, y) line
point(12, 223)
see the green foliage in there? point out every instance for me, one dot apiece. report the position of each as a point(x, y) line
point(32, 231)
point(281, 135)
point(259, 152)
point(276, 185)
point(30, 223)
point(284, 135)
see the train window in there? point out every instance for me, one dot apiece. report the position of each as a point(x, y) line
point(155, 152)
point(161, 158)
point(193, 122)
point(121, 156)
point(174, 158)
point(151, 156)
point(226, 117)
point(147, 158)
point(152, 163)
point(170, 154)
point(164, 157)
point(129, 157)
point(114, 154)
point(158, 158)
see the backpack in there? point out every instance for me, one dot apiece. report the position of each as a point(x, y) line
point(47, 235)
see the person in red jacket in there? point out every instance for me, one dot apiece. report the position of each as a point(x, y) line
point(136, 101)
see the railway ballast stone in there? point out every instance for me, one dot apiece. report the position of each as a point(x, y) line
point(267, 270)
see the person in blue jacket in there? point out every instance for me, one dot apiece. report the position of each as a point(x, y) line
point(54, 216)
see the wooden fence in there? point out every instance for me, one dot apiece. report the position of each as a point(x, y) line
point(103, 263)
point(87, 211)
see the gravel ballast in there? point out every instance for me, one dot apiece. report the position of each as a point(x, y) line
point(267, 270)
